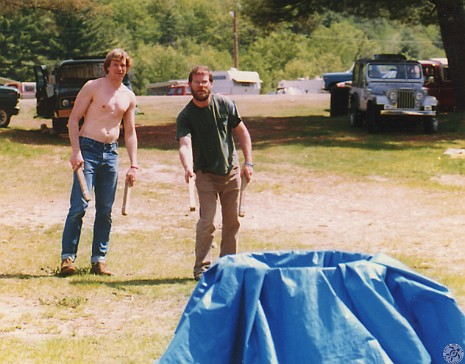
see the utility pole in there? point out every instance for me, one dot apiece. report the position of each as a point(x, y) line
point(236, 46)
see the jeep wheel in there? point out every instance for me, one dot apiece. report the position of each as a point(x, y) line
point(373, 119)
point(431, 125)
point(355, 115)
point(4, 118)
point(59, 126)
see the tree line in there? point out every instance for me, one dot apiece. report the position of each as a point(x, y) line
point(166, 38)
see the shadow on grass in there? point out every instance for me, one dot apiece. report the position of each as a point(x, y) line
point(134, 282)
point(25, 276)
point(90, 279)
point(315, 130)
point(33, 137)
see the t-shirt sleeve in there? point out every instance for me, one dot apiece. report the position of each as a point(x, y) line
point(234, 117)
point(182, 126)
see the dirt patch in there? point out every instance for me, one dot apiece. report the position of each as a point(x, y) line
point(331, 213)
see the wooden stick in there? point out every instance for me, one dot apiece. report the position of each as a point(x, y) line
point(191, 194)
point(244, 184)
point(126, 196)
point(83, 183)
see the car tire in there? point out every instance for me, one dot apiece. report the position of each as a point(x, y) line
point(4, 118)
point(373, 119)
point(431, 125)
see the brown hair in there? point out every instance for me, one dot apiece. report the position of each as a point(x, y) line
point(117, 54)
point(201, 70)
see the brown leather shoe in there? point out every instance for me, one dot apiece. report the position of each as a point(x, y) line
point(67, 267)
point(100, 269)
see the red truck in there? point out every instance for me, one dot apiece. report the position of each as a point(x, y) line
point(438, 82)
point(179, 90)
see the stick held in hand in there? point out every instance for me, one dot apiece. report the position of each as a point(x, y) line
point(191, 194)
point(244, 184)
point(126, 196)
point(83, 183)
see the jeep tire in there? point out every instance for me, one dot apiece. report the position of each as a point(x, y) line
point(60, 125)
point(4, 118)
point(430, 125)
point(373, 119)
point(355, 115)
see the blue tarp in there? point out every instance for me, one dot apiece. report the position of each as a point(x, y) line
point(316, 307)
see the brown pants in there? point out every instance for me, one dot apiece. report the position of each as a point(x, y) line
point(210, 187)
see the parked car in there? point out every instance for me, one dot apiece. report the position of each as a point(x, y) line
point(331, 79)
point(57, 90)
point(390, 86)
point(27, 90)
point(339, 101)
point(9, 98)
point(438, 82)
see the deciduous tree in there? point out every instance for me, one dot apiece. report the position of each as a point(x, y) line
point(448, 14)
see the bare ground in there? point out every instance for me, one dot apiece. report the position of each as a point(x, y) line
point(331, 213)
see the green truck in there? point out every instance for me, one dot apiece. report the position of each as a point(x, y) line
point(9, 98)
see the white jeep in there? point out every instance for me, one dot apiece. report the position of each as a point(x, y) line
point(388, 87)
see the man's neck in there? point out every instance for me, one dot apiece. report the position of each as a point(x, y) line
point(115, 82)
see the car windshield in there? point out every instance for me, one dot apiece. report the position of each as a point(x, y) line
point(395, 71)
point(80, 73)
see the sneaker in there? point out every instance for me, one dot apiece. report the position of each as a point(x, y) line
point(67, 267)
point(100, 269)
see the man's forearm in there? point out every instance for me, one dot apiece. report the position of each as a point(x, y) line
point(246, 145)
point(185, 154)
point(73, 132)
point(131, 146)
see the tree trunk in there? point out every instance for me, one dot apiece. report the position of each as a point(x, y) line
point(451, 16)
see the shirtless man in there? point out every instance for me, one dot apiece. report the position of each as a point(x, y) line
point(103, 103)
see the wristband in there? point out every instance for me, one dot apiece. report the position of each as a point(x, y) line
point(134, 167)
point(248, 164)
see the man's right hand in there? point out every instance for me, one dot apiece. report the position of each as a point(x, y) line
point(76, 161)
point(188, 174)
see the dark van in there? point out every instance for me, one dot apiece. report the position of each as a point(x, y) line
point(438, 82)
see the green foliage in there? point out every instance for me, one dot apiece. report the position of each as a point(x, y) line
point(83, 33)
point(157, 63)
point(166, 38)
point(21, 40)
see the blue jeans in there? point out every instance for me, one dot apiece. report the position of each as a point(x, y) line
point(101, 173)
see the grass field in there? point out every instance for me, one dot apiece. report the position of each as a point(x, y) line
point(318, 185)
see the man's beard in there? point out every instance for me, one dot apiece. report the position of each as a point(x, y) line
point(203, 97)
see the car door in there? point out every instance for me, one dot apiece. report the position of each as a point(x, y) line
point(45, 100)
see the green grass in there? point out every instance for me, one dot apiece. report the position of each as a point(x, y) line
point(131, 317)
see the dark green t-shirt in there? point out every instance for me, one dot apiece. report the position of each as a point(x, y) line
point(211, 131)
